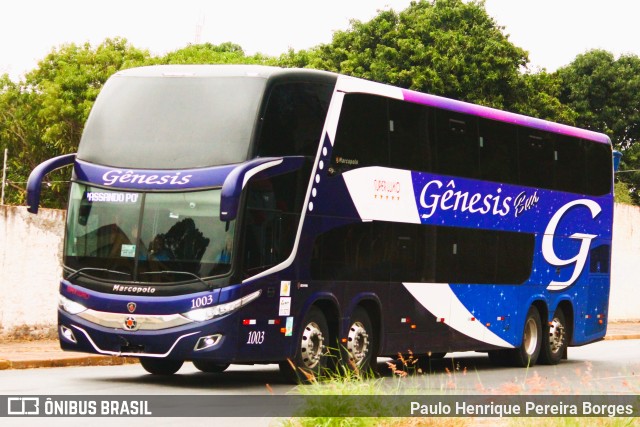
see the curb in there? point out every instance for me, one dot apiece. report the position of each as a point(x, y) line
point(622, 337)
point(67, 361)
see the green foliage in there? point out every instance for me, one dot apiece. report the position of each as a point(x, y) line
point(43, 116)
point(605, 93)
point(445, 47)
point(539, 98)
point(622, 193)
point(207, 53)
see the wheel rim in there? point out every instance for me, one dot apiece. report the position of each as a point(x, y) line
point(312, 345)
point(556, 335)
point(358, 343)
point(530, 336)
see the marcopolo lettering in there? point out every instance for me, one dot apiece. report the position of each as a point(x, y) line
point(117, 176)
point(134, 289)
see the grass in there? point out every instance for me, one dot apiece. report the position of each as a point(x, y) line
point(349, 382)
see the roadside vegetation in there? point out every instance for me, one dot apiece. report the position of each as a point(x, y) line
point(325, 396)
point(451, 48)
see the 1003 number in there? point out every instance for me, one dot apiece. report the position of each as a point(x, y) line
point(255, 337)
point(202, 301)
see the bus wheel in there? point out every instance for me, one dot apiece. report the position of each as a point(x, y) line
point(210, 367)
point(158, 366)
point(310, 360)
point(554, 343)
point(527, 354)
point(360, 346)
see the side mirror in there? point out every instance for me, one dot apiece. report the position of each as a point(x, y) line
point(617, 155)
point(239, 177)
point(34, 184)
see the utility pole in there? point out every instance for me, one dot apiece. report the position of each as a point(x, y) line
point(4, 175)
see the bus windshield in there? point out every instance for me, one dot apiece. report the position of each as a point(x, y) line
point(129, 236)
point(172, 122)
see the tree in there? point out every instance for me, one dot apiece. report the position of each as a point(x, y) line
point(207, 53)
point(605, 93)
point(19, 134)
point(43, 116)
point(444, 47)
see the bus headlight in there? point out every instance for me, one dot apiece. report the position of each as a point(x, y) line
point(208, 313)
point(69, 306)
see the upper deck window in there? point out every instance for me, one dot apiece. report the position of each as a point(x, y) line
point(172, 122)
point(377, 131)
point(293, 119)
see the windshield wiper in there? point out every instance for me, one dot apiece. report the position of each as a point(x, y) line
point(209, 286)
point(102, 270)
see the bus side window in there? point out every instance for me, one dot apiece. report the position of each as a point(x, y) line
point(599, 158)
point(409, 136)
point(570, 165)
point(498, 151)
point(456, 144)
point(273, 208)
point(362, 138)
point(293, 119)
point(599, 259)
point(536, 158)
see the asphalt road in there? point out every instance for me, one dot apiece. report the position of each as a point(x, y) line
point(607, 367)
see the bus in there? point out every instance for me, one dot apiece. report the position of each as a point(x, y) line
point(249, 214)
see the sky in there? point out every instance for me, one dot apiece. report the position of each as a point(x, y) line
point(552, 31)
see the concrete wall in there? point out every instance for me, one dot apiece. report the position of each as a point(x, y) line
point(30, 253)
point(624, 299)
point(31, 246)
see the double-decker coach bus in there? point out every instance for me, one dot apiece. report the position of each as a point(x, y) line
point(245, 214)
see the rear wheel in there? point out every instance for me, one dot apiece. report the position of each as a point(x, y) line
point(554, 342)
point(311, 359)
point(527, 354)
point(210, 367)
point(360, 346)
point(157, 366)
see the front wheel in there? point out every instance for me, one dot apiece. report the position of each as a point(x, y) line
point(554, 342)
point(210, 367)
point(310, 360)
point(157, 366)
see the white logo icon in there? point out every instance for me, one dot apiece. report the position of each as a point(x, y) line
point(581, 257)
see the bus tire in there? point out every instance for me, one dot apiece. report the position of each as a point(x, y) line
point(554, 340)
point(157, 366)
point(527, 354)
point(311, 358)
point(210, 367)
point(361, 342)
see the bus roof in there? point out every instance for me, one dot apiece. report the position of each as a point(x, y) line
point(221, 70)
point(352, 84)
